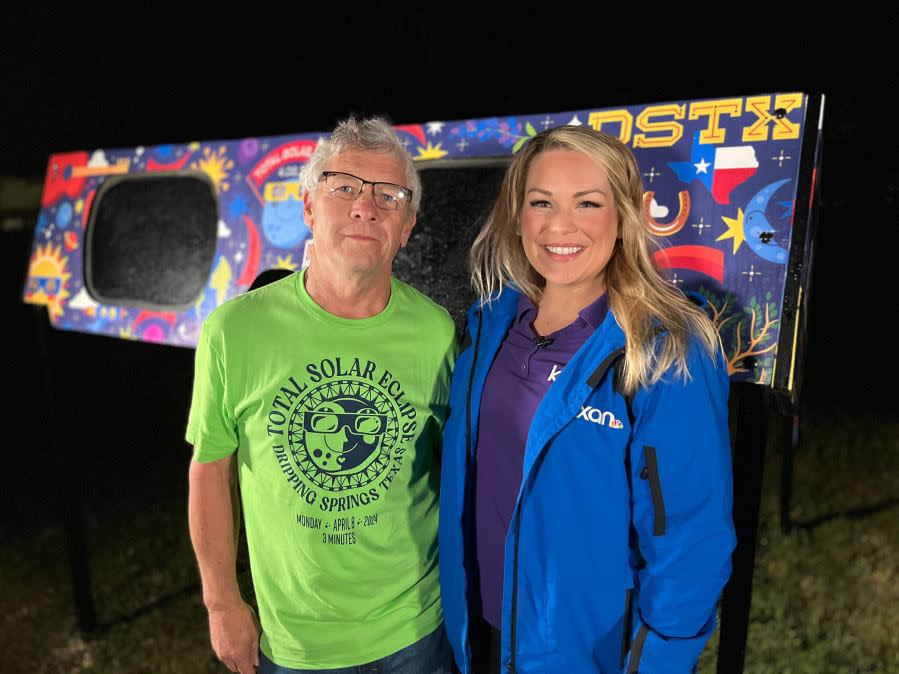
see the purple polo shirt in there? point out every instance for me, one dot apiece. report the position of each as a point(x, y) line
point(520, 376)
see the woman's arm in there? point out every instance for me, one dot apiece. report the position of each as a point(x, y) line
point(682, 492)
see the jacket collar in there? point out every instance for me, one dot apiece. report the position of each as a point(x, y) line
point(593, 358)
point(500, 309)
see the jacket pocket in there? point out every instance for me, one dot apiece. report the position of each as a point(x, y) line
point(651, 472)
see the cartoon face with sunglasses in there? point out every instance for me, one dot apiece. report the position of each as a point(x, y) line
point(343, 436)
point(282, 213)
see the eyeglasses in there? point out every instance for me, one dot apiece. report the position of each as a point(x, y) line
point(348, 187)
point(331, 422)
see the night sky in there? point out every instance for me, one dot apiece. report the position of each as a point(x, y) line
point(79, 79)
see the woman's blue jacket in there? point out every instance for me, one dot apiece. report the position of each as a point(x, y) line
point(621, 537)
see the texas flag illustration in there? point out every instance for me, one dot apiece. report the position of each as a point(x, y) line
point(720, 169)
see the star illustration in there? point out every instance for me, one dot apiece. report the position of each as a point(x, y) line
point(434, 128)
point(702, 166)
point(734, 230)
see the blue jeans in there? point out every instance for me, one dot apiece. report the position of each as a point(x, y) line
point(430, 655)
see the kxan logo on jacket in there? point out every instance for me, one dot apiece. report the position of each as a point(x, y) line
point(597, 416)
point(340, 438)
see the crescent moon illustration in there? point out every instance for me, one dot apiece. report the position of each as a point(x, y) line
point(758, 229)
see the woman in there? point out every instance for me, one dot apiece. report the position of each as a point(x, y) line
point(586, 491)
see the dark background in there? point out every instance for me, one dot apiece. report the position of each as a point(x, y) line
point(83, 78)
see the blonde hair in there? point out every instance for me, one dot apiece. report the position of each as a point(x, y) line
point(639, 297)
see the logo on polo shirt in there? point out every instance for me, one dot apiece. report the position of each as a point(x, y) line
point(556, 371)
point(599, 417)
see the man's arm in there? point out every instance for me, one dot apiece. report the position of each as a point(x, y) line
point(213, 513)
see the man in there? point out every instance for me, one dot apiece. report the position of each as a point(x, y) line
point(323, 394)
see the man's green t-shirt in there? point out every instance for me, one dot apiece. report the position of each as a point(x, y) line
point(337, 427)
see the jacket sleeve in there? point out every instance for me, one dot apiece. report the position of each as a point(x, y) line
point(682, 493)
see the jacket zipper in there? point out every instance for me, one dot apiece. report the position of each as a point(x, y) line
point(651, 472)
point(626, 632)
point(511, 667)
point(637, 650)
point(474, 362)
point(469, 459)
point(592, 381)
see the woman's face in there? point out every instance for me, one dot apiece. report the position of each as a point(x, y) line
point(569, 221)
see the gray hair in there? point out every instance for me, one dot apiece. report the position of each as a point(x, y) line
point(375, 135)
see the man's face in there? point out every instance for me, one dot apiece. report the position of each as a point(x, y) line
point(357, 237)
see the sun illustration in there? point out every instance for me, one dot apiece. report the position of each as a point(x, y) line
point(342, 434)
point(48, 279)
point(431, 152)
point(216, 165)
point(286, 263)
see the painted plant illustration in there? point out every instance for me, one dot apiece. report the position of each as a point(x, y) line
point(747, 334)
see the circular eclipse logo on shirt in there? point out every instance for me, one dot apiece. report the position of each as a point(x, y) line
point(341, 434)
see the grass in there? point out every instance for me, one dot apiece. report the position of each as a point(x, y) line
point(826, 598)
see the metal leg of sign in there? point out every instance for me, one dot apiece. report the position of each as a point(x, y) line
point(749, 429)
point(789, 443)
point(69, 489)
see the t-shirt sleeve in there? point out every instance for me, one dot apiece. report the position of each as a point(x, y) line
point(444, 379)
point(210, 425)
